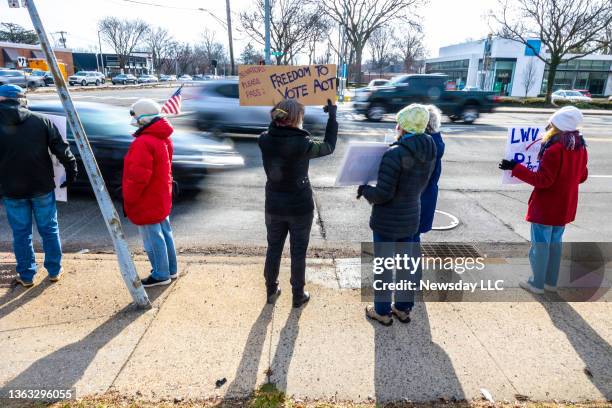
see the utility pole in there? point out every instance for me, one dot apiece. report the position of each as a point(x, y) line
point(113, 223)
point(62, 39)
point(229, 33)
point(267, 29)
point(101, 56)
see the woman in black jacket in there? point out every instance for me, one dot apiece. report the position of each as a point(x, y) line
point(404, 172)
point(286, 151)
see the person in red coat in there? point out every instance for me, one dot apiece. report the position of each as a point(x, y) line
point(147, 189)
point(553, 202)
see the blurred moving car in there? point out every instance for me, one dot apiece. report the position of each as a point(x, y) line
point(215, 107)
point(375, 83)
point(165, 78)
point(471, 88)
point(21, 78)
point(147, 79)
point(44, 75)
point(569, 96)
point(124, 79)
point(85, 78)
point(185, 78)
point(110, 134)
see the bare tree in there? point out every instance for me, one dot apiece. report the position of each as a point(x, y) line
point(408, 44)
point(293, 24)
point(529, 76)
point(123, 35)
point(569, 29)
point(381, 48)
point(607, 50)
point(209, 49)
point(360, 18)
point(159, 43)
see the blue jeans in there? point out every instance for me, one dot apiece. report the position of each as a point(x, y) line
point(388, 247)
point(545, 254)
point(19, 213)
point(159, 245)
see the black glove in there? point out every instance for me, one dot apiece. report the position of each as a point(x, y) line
point(71, 177)
point(360, 191)
point(330, 109)
point(507, 164)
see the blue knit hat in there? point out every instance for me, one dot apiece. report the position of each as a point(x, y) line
point(12, 91)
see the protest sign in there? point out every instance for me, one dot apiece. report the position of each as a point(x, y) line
point(523, 145)
point(266, 85)
point(59, 173)
point(360, 163)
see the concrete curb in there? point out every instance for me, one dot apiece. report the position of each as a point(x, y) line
point(108, 87)
point(510, 109)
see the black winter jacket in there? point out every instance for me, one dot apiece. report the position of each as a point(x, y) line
point(403, 175)
point(26, 170)
point(286, 154)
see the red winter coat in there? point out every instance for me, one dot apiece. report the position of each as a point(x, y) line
point(147, 174)
point(555, 197)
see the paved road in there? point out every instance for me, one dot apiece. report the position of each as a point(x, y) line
point(228, 212)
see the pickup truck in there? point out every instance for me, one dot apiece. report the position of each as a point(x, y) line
point(423, 88)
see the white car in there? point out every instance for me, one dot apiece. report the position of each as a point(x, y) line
point(85, 78)
point(569, 96)
point(185, 78)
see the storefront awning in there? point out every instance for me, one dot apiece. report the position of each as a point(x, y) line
point(38, 54)
point(11, 55)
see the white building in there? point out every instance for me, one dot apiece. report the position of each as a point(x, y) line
point(510, 66)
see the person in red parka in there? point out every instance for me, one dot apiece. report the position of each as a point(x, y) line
point(553, 202)
point(147, 189)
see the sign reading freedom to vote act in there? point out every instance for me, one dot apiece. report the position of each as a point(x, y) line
point(266, 85)
point(523, 145)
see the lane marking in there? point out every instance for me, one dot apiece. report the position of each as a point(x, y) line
point(600, 176)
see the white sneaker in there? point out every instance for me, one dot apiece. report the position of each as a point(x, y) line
point(549, 288)
point(529, 288)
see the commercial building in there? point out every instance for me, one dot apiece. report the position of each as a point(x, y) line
point(18, 56)
point(512, 68)
point(138, 63)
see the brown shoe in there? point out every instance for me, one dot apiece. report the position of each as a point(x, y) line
point(402, 316)
point(24, 283)
point(371, 314)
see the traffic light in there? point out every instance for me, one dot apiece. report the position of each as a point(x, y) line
point(261, 62)
point(213, 63)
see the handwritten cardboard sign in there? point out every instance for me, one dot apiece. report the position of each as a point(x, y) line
point(266, 85)
point(523, 145)
point(59, 172)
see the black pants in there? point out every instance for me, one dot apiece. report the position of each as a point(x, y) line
point(298, 228)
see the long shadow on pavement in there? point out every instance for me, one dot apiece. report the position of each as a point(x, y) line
point(284, 349)
point(63, 368)
point(595, 352)
point(410, 366)
point(245, 379)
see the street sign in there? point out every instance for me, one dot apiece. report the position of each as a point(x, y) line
point(277, 53)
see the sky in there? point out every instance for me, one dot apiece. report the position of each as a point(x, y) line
point(445, 22)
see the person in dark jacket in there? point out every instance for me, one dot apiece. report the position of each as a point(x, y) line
point(27, 181)
point(429, 196)
point(563, 167)
point(147, 189)
point(286, 151)
point(404, 172)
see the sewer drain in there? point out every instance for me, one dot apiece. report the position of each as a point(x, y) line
point(449, 250)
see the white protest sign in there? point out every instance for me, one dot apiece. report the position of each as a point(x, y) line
point(523, 145)
point(360, 163)
point(59, 172)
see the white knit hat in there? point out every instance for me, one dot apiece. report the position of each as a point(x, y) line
point(144, 111)
point(566, 119)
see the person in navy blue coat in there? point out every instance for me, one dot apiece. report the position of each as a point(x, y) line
point(429, 196)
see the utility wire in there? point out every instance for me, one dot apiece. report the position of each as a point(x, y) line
point(144, 3)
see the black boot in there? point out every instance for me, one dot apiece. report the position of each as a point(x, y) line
point(301, 298)
point(273, 295)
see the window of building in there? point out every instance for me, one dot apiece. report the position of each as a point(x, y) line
point(457, 71)
point(580, 74)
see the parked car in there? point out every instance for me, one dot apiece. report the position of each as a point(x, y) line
point(44, 75)
point(85, 78)
point(124, 79)
point(423, 88)
point(166, 78)
point(584, 92)
point(569, 96)
point(185, 78)
point(110, 134)
point(375, 83)
point(101, 76)
point(471, 88)
point(215, 107)
point(21, 78)
point(147, 79)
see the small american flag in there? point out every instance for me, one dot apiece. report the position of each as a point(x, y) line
point(173, 105)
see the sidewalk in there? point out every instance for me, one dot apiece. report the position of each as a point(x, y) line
point(212, 323)
point(520, 109)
